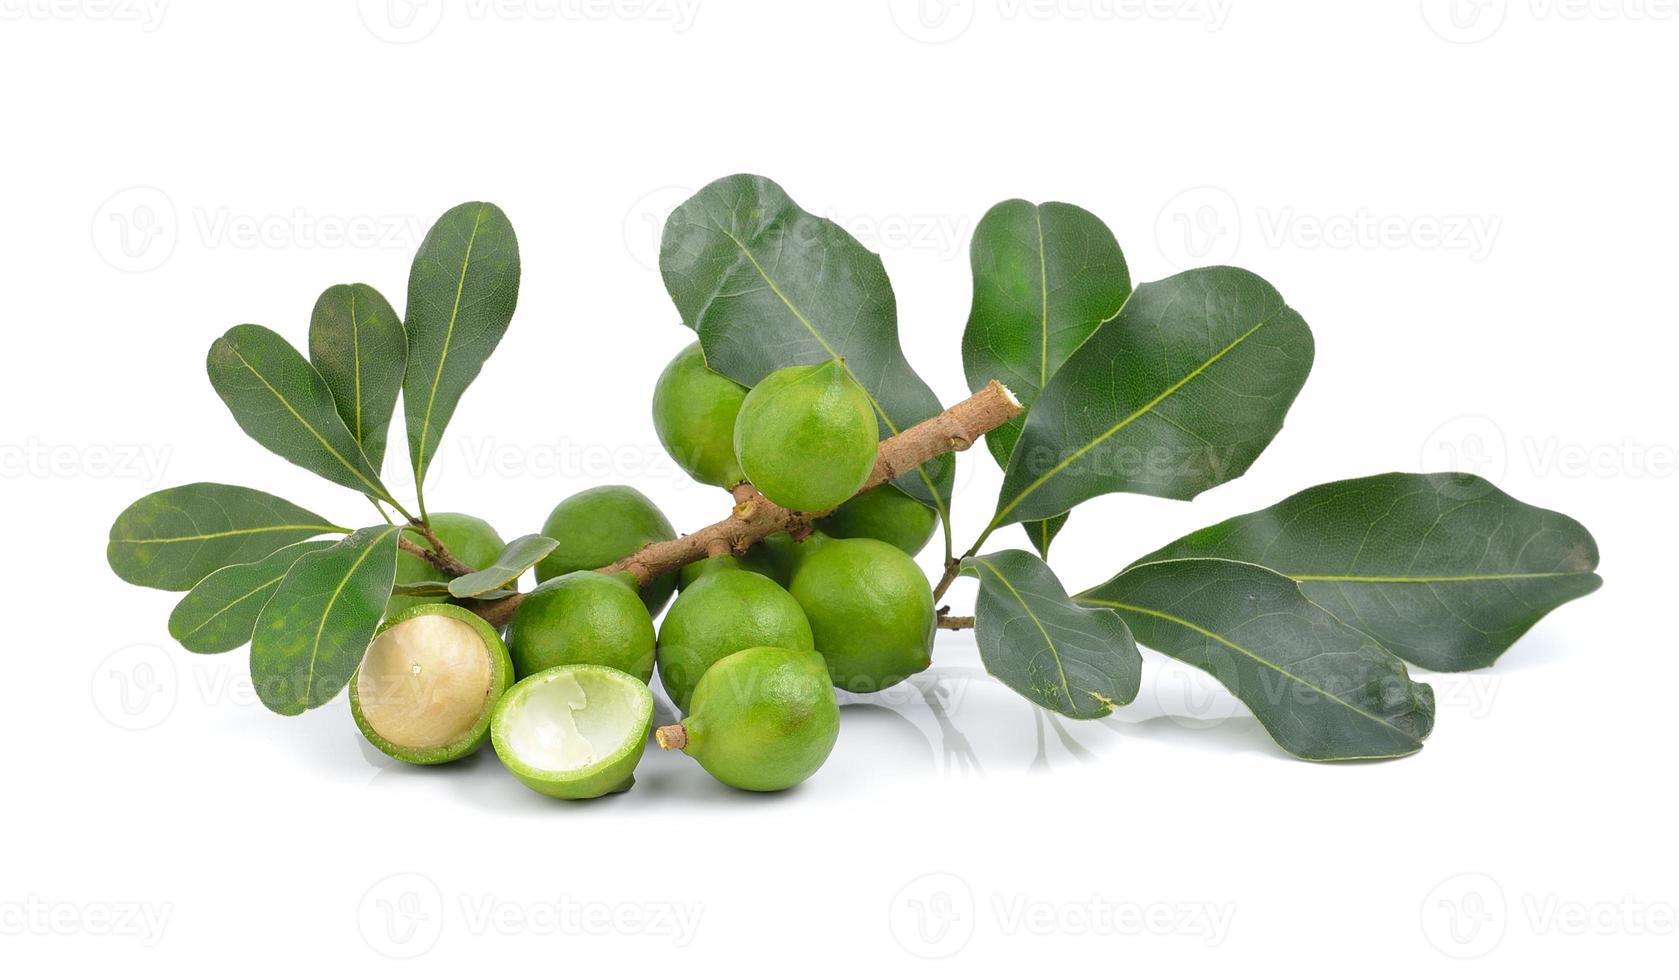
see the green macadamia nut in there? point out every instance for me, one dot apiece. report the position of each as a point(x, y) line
point(601, 525)
point(762, 719)
point(807, 437)
point(694, 410)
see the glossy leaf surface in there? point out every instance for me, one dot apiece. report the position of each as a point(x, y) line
point(357, 343)
point(282, 402)
point(462, 290)
point(1444, 569)
point(311, 635)
point(1176, 394)
point(1078, 661)
point(1323, 690)
point(520, 555)
point(171, 539)
point(221, 611)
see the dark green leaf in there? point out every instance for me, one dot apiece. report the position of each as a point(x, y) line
point(357, 343)
point(313, 632)
point(1043, 533)
point(515, 559)
point(461, 294)
point(221, 611)
point(767, 284)
point(1179, 392)
point(1045, 275)
point(1076, 661)
point(171, 539)
point(1323, 690)
point(282, 402)
point(1444, 569)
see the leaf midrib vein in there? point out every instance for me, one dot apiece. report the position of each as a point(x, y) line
point(1054, 652)
point(376, 489)
point(448, 340)
point(1256, 658)
point(1170, 390)
point(265, 529)
point(326, 613)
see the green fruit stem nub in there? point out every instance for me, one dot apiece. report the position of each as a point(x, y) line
point(671, 737)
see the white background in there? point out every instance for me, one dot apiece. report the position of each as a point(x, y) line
point(1474, 214)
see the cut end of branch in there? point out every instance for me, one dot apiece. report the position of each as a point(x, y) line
point(671, 737)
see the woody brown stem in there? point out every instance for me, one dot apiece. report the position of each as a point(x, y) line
point(952, 569)
point(756, 516)
point(956, 622)
point(440, 560)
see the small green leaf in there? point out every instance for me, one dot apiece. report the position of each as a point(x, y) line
point(515, 559)
point(1444, 569)
point(461, 293)
point(1176, 394)
point(313, 632)
point(1045, 276)
point(282, 402)
point(221, 611)
point(357, 343)
point(422, 590)
point(1322, 689)
point(1079, 662)
point(440, 591)
point(171, 539)
point(1043, 532)
point(768, 285)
